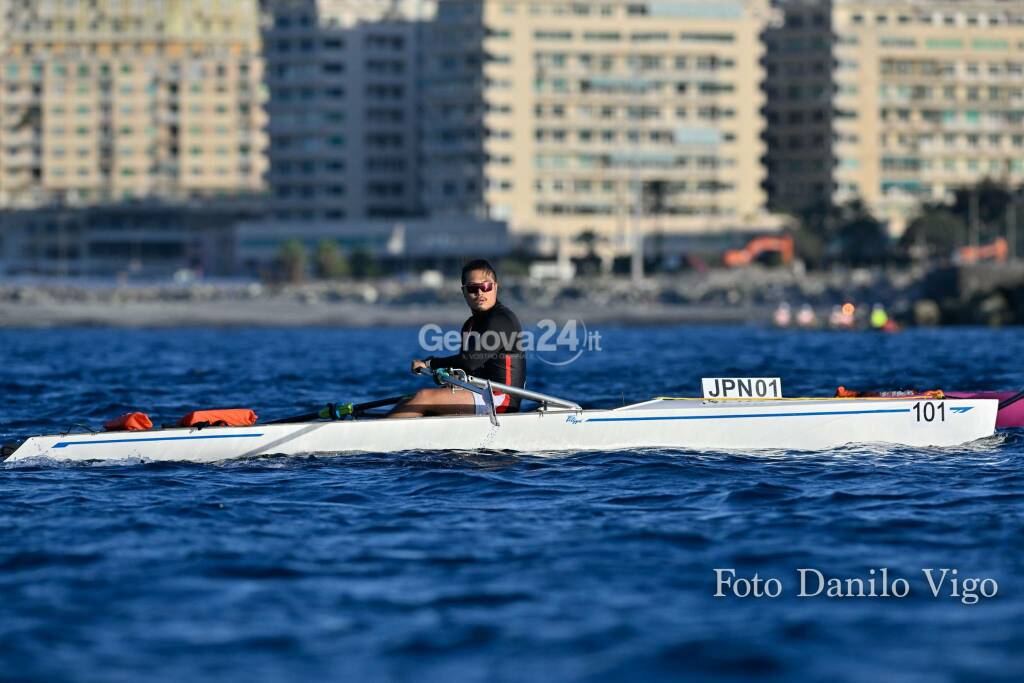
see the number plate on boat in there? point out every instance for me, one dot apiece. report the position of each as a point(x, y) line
point(742, 387)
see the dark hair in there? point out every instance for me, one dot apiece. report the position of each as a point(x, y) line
point(479, 264)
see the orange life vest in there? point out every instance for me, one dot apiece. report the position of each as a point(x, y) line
point(129, 422)
point(223, 417)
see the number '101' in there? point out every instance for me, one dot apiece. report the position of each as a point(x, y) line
point(928, 411)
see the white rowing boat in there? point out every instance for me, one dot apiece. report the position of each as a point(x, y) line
point(559, 425)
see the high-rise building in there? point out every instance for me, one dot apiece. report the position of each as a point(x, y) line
point(893, 102)
point(344, 89)
point(612, 117)
point(106, 100)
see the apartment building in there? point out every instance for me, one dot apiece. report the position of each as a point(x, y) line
point(105, 101)
point(616, 117)
point(894, 102)
point(344, 89)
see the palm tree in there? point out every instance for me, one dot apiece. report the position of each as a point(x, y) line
point(293, 259)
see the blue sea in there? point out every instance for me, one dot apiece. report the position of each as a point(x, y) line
point(467, 566)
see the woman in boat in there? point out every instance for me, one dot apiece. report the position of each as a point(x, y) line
point(491, 349)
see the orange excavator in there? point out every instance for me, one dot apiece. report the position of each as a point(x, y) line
point(994, 251)
point(783, 246)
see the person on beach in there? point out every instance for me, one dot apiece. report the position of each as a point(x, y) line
point(491, 349)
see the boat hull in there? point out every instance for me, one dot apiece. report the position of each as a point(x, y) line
point(803, 425)
point(1010, 417)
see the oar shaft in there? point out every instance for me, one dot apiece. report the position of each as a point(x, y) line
point(369, 405)
point(1010, 401)
point(357, 408)
point(305, 417)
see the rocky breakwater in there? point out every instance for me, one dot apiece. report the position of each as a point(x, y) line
point(976, 294)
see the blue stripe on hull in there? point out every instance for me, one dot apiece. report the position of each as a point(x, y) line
point(66, 444)
point(746, 415)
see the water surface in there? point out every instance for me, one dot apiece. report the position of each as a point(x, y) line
point(484, 566)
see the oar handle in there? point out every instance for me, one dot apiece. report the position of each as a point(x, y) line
point(437, 374)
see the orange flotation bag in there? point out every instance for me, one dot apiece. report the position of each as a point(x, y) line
point(131, 422)
point(222, 417)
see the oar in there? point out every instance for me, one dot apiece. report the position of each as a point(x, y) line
point(336, 411)
point(1013, 399)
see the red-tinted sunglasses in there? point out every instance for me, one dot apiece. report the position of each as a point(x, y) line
point(477, 287)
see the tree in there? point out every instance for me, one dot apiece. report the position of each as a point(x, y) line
point(331, 263)
point(848, 233)
point(292, 259)
point(809, 247)
point(819, 218)
point(863, 241)
point(992, 200)
point(935, 233)
point(859, 238)
point(591, 263)
point(364, 264)
point(817, 223)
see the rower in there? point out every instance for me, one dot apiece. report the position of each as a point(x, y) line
point(491, 349)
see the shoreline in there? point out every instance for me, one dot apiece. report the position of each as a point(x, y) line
point(272, 312)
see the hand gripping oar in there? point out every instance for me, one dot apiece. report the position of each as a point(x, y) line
point(337, 411)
